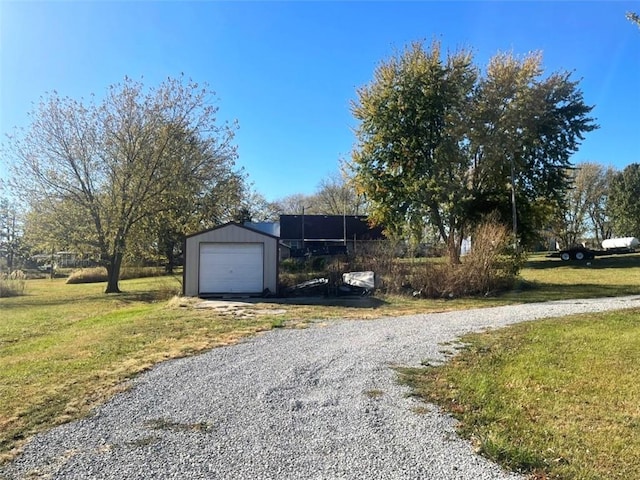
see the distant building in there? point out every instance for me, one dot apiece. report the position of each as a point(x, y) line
point(271, 228)
point(326, 234)
point(303, 235)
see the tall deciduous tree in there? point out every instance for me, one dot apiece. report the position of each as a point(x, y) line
point(294, 204)
point(337, 195)
point(441, 143)
point(258, 209)
point(583, 212)
point(623, 205)
point(593, 180)
point(122, 161)
point(525, 129)
point(410, 159)
point(59, 224)
point(12, 245)
point(203, 202)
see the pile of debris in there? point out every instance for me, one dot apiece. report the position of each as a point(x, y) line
point(353, 283)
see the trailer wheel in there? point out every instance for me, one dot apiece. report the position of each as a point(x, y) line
point(565, 256)
point(579, 255)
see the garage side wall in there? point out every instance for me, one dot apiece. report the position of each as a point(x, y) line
point(229, 234)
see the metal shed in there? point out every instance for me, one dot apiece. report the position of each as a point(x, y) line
point(230, 259)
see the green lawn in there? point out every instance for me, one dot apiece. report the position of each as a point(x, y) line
point(550, 278)
point(65, 348)
point(559, 398)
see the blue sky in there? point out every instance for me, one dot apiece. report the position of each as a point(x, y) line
point(287, 71)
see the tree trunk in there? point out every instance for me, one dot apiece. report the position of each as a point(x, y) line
point(453, 249)
point(113, 273)
point(12, 244)
point(449, 238)
point(169, 249)
point(52, 272)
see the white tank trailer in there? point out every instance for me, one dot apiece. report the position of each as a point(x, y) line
point(624, 242)
point(612, 246)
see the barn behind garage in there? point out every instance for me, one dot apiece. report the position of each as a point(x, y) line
point(230, 259)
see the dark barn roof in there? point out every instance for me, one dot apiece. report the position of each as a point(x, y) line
point(328, 227)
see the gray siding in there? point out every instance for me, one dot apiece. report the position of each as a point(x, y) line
point(229, 234)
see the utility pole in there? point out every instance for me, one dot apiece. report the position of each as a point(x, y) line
point(514, 212)
point(344, 222)
point(303, 227)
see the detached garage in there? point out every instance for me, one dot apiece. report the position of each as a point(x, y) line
point(230, 259)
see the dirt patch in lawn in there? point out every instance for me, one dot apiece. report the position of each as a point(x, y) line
point(295, 307)
point(234, 308)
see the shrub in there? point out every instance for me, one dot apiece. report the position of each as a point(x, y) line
point(291, 265)
point(294, 271)
point(433, 280)
point(392, 274)
point(12, 284)
point(88, 275)
point(141, 272)
point(99, 274)
point(305, 265)
point(491, 266)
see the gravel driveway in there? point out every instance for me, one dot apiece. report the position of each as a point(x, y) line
point(318, 403)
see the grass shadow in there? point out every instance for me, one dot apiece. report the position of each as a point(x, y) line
point(617, 261)
point(35, 300)
point(530, 292)
point(146, 297)
point(344, 301)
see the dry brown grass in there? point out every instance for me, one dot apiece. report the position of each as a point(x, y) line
point(99, 274)
point(12, 284)
point(491, 267)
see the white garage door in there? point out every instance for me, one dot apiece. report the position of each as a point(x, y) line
point(231, 268)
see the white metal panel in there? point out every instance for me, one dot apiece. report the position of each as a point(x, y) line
point(231, 268)
point(360, 279)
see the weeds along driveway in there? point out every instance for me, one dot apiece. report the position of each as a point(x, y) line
point(317, 403)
